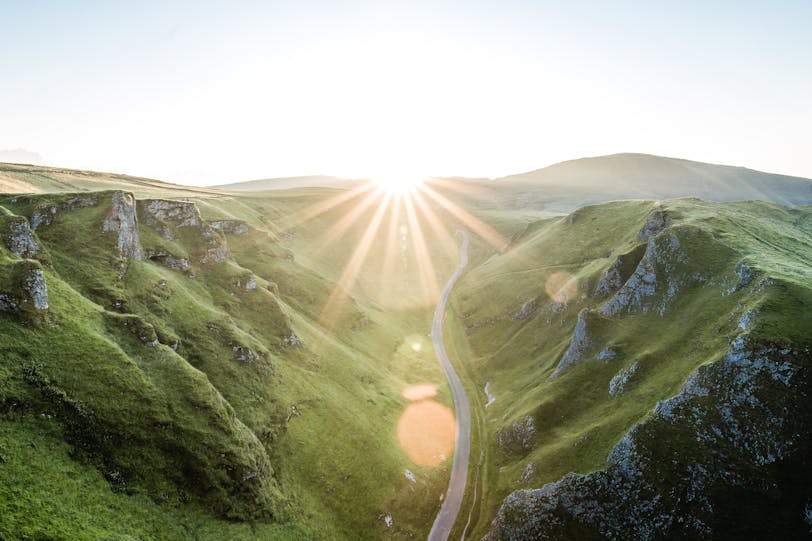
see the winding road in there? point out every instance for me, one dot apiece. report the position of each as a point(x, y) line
point(462, 448)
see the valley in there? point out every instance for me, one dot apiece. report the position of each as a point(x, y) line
point(234, 363)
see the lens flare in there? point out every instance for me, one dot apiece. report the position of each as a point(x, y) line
point(561, 287)
point(426, 432)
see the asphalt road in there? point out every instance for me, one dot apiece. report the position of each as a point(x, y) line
point(459, 470)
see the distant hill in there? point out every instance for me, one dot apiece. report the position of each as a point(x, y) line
point(642, 176)
point(26, 178)
point(308, 181)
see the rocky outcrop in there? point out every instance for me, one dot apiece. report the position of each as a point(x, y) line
point(42, 216)
point(656, 222)
point(171, 218)
point(518, 437)
point(580, 344)
point(216, 254)
point(20, 239)
point(655, 281)
point(620, 380)
point(291, 340)
point(744, 275)
point(234, 227)
point(619, 271)
point(122, 220)
point(165, 216)
point(527, 310)
point(34, 284)
point(739, 424)
point(30, 291)
point(169, 261)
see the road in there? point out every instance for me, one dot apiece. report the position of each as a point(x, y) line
point(462, 448)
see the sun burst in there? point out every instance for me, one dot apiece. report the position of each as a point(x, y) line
point(399, 183)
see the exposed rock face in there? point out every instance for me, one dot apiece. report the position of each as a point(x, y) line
point(655, 223)
point(42, 217)
point(169, 261)
point(235, 227)
point(527, 310)
point(606, 354)
point(34, 284)
point(169, 217)
point(744, 277)
point(8, 304)
point(292, 340)
point(611, 280)
point(519, 436)
point(20, 239)
point(165, 215)
point(620, 271)
point(580, 344)
point(739, 422)
point(217, 254)
point(618, 383)
point(654, 282)
point(122, 220)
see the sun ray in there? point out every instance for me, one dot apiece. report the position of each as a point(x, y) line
point(317, 209)
point(330, 312)
point(348, 220)
point(390, 255)
point(480, 228)
point(449, 243)
point(425, 265)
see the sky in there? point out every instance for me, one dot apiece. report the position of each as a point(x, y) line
point(213, 92)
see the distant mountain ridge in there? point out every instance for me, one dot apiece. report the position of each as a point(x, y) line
point(283, 183)
point(644, 176)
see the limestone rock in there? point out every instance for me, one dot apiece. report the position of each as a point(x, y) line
point(519, 436)
point(618, 383)
point(42, 216)
point(654, 282)
point(527, 310)
point(656, 222)
point(619, 271)
point(8, 304)
point(580, 343)
point(20, 239)
point(34, 284)
point(737, 419)
point(123, 221)
point(235, 227)
point(165, 215)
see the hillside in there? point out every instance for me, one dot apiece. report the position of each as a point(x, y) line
point(200, 363)
point(649, 364)
point(170, 370)
point(567, 185)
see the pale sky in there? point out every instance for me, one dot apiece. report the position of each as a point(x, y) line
point(212, 92)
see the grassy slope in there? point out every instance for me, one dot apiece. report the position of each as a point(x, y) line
point(577, 421)
point(567, 185)
point(345, 384)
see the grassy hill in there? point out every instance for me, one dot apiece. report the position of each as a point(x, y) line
point(590, 320)
point(567, 185)
point(185, 380)
point(201, 363)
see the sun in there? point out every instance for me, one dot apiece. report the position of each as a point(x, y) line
point(398, 183)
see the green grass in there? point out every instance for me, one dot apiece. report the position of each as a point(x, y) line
point(576, 420)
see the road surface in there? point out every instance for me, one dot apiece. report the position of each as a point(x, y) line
point(459, 470)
